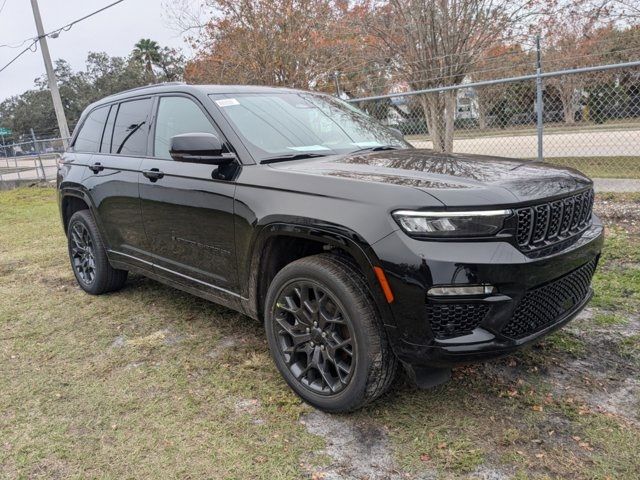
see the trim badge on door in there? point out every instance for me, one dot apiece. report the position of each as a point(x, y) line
point(193, 243)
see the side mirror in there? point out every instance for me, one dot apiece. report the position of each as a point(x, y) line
point(397, 133)
point(199, 148)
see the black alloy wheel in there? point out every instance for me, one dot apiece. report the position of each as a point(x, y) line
point(88, 256)
point(82, 253)
point(315, 337)
point(326, 335)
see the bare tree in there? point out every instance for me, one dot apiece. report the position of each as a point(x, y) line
point(627, 9)
point(437, 43)
point(295, 43)
point(578, 37)
point(500, 60)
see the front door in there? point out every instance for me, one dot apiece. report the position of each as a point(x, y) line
point(187, 213)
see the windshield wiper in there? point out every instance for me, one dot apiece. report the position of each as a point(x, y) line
point(293, 156)
point(379, 148)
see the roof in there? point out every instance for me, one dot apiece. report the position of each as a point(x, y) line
point(183, 87)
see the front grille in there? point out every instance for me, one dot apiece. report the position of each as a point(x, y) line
point(455, 319)
point(549, 223)
point(543, 306)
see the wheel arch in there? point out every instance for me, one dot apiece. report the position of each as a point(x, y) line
point(72, 201)
point(73, 198)
point(278, 244)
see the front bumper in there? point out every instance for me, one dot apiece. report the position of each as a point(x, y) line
point(413, 266)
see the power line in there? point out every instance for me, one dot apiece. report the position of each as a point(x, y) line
point(53, 33)
point(16, 45)
point(3, 4)
point(20, 54)
point(68, 26)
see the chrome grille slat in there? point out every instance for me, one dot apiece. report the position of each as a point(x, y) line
point(549, 223)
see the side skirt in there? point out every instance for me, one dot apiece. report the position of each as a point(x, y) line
point(144, 268)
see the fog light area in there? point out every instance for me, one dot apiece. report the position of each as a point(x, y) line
point(454, 290)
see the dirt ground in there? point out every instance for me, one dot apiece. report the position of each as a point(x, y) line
point(150, 382)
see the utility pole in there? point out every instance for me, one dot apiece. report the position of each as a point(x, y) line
point(51, 76)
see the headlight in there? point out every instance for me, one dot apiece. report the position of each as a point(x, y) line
point(451, 224)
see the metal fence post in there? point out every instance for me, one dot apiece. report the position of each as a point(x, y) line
point(35, 147)
point(336, 82)
point(15, 160)
point(539, 100)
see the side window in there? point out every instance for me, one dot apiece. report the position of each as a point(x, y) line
point(130, 130)
point(105, 146)
point(177, 115)
point(88, 139)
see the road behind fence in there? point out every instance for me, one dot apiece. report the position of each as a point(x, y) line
point(587, 118)
point(32, 160)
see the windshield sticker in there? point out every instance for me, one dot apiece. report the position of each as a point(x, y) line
point(309, 148)
point(227, 102)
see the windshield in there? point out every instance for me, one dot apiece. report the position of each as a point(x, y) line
point(292, 124)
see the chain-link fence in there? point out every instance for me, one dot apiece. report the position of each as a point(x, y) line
point(589, 120)
point(586, 118)
point(30, 160)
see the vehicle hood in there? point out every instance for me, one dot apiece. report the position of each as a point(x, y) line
point(453, 179)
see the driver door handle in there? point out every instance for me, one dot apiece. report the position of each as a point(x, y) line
point(96, 167)
point(153, 174)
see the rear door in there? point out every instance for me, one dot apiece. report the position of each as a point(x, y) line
point(86, 143)
point(187, 210)
point(112, 179)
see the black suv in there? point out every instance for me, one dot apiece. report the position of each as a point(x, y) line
point(356, 250)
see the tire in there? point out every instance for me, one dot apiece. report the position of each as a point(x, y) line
point(342, 362)
point(88, 256)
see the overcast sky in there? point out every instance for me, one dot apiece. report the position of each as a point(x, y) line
point(113, 31)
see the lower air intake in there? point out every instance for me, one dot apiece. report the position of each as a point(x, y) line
point(544, 306)
point(455, 319)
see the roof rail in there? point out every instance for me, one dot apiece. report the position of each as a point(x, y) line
point(163, 84)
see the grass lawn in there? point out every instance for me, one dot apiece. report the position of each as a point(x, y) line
point(528, 130)
point(602, 167)
point(150, 382)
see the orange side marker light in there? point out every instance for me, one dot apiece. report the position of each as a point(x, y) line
point(384, 284)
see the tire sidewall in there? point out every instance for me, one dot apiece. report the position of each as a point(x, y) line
point(351, 395)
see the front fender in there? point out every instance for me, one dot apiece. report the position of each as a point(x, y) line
point(334, 236)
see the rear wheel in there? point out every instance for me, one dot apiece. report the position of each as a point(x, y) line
point(326, 336)
point(88, 256)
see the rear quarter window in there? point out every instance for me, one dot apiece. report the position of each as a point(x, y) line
point(90, 134)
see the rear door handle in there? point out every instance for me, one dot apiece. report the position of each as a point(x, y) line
point(153, 174)
point(96, 167)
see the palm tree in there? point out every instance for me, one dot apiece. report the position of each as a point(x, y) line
point(147, 52)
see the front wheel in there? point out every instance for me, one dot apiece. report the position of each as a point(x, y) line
point(326, 336)
point(88, 256)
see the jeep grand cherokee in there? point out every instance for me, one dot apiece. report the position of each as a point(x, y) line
point(356, 250)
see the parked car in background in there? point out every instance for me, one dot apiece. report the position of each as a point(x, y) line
point(357, 251)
